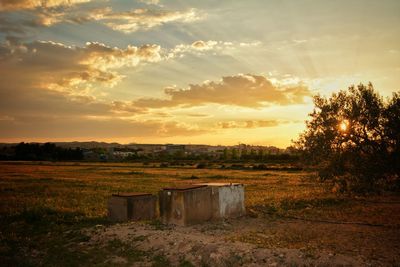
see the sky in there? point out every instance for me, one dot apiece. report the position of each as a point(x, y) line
point(186, 71)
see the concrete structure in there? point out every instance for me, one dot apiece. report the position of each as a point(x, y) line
point(227, 200)
point(132, 207)
point(186, 205)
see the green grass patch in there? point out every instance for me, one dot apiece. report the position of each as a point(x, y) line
point(160, 261)
point(185, 263)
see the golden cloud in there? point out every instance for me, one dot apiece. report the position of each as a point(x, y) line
point(6, 5)
point(200, 46)
point(47, 13)
point(249, 124)
point(105, 57)
point(124, 21)
point(45, 92)
point(51, 78)
point(144, 19)
point(240, 90)
point(68, 68)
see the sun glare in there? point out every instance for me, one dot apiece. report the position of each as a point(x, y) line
point(343, 126)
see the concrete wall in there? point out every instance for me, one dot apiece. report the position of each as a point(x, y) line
point(132, 208)
point(172, 207)
point(118, 209)
point(186, 207)
point(198, 205)
point(227, 200)
point(231, 201)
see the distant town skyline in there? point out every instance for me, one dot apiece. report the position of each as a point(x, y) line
point(199, 72)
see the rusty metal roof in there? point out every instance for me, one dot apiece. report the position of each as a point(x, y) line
point(131, 194)
point(184, 187)
point(220, 184)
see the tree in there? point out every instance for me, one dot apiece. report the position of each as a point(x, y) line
point(353, 139)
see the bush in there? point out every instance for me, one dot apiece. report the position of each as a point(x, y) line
point(201, 165)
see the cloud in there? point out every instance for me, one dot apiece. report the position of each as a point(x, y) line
point(145, 19)
point(34, 14)
point(48, 89)
point(8, 26)
point(90, 128)
point(200, 46)
point(197, 115)
point(151, 2)
point(41, 78)
point(72, 69)
point(239, 90)
point(251, 44)
point(105, 57)
point(11, 5)
point(249, 124)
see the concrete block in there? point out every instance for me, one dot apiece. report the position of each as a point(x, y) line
point(227, 200)
point(185, 205)
point(131, 207)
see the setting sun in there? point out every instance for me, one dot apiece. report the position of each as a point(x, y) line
point(344, 125)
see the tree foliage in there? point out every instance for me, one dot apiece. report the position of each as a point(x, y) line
point(47, 151)
point(353, 137)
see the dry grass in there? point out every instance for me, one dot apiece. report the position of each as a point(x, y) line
point(84, 188)
point(39, 201)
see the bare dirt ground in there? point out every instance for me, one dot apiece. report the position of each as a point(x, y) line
point(280, 243)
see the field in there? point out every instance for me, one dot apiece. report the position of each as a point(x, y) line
point(54, 214)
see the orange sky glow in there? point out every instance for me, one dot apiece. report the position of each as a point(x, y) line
point(199, 72)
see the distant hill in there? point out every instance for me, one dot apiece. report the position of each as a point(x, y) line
point(74, 144)
point(95, 144)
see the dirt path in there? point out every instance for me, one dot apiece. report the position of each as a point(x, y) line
point(219, 244)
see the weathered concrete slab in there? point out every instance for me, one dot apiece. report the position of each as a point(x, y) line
point(132, 207)
point(227, 200)
point(185, 205)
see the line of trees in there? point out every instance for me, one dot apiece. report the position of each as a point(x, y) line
point(47, 151)
point(227, 155)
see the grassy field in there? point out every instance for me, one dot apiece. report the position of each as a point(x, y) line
point(45, 207)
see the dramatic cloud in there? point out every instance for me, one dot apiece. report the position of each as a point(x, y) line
point(31, 4)
point(43, 13)
point(52, 79)
point(125, 21)
point(47, 89)
point(240, 90)
point(55, 66)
